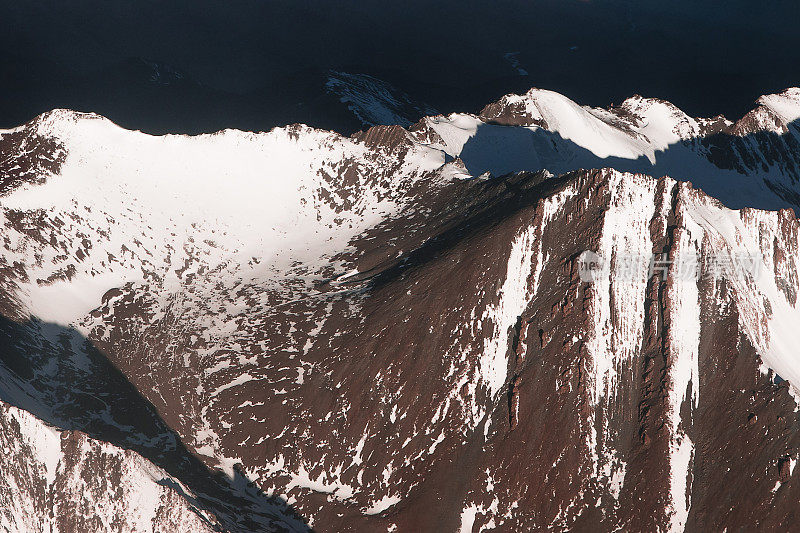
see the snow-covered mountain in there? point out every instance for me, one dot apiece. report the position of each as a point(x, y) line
point(394, 330)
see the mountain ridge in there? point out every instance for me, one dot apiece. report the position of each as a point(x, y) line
point(362, 325)
point(640, 135)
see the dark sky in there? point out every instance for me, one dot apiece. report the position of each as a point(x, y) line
point(254, 64)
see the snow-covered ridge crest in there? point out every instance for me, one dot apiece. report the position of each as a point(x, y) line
point(542, 129)
point(753, 162)
point(287, 199)
point(654, 120)
point(782, 109)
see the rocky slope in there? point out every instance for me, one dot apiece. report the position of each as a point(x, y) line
point(65, 481)
point(302, 330)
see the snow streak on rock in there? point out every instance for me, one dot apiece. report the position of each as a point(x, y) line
point(618, 301)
